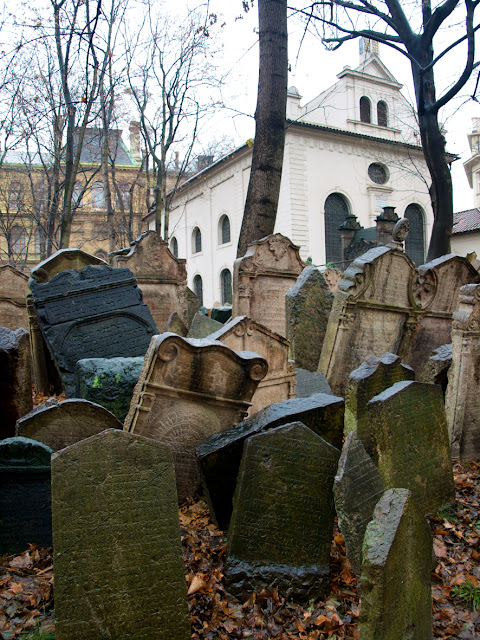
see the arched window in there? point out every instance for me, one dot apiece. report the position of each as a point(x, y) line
point(15, 196)
point(224, 230)
point(415, 241)
point(382, 114)
point(196, 240)
point(174, 246)
point(198, 288)
point(39, 241)
point(365, 109)
point(226, 286)
point(17, 240)
point(336, 210)
point(98, 199)
point(123, 196)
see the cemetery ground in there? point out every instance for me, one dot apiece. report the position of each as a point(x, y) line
point(27, 605)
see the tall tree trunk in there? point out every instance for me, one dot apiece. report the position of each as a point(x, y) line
point(267, 160)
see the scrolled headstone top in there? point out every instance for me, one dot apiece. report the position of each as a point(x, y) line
point(400, 231)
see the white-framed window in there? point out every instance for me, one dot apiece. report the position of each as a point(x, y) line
point(98, 196)
point(224, 233)
point(196, 240)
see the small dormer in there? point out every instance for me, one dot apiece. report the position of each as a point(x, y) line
point(294, 111)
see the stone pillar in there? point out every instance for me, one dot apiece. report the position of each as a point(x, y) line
point(347, 231)
point(385, 223)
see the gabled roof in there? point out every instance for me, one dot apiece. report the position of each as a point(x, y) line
point(372, 68)
point(466, 221)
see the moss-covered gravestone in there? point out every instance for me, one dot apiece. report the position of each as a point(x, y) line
point(25, 503)
point(202, 326)
point(307, 383)
point(176, 325)
point(395, 583)
point(410, 442)
point(282, 522)
point(118, 558)
point(15, 378)
point(357, 488)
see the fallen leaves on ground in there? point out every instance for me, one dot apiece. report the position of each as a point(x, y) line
point(26, 583)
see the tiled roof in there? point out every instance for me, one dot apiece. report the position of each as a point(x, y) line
point(465, 221)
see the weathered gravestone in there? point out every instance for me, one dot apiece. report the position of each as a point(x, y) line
point(282, 521)
point(161, 277)
point(25, 505)
point(307, 383)
point(175, 325)
point(221, 314)
point(108, 382)
point(395, 583)
point(261, 279)
point(371, 378)
point(15, 378)
point(409, 436)
point(357, 488)
point(435, 369)
point(118, 559)
point(95, 313)
point(187, 390)
point(193, 306)
point(61, 424)
point(244, 334)
point(219, 457)
point(332, 277)
point(202, 326)
point(462, 400)
point(308, 305)
point(13, 304)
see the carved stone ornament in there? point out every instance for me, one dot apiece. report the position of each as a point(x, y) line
point(400, 230)
point(277, 247)
point(244, 327)
point(424, 288)
point(346, 319)
point(467, 315)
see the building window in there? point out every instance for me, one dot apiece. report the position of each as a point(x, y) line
point(196, 240)
point(174, 246)
point(224, 230)
point(77, 195)
point(15, 196)
point(123, 196)
point(336, 210)
point(39, 197)
point(378, 173)
point(226, 286)
point(415, 241)
point(17, 238)
point(382, 114)
point(365, 109)
point(198, 288)
point(98, 199)
point(39, 241)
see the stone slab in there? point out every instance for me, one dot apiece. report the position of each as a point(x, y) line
point(435, 369)
point(13, 304)
point(175, 325)
point(202, 326)
point(15, 378)
point(307, 383)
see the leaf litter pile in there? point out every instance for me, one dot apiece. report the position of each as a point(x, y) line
point(26, 583)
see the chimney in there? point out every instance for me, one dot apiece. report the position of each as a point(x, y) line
point(135, 147)
point(385, 223)
point(347, 231)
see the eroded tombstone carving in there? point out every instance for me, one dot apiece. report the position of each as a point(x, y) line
point(409, 436)
point(188, 390)
point(61, 424)
point(15, 378)
point(13, 304)
point(175, 325)
point(219, 457)
point(282, 522)
point(202, 326)
point(244, 334)
point(161, 277)
point(308, 305)
point(94, 313)
point(307, 383)
point(435, 369)
point(332, 277)
point(118, 559)
point(395, 583)
point(462, 400)
point(25, 504)
point(371, 378)
point(357, 488)
point(261, 279)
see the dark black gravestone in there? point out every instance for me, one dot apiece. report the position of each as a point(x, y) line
point(221, 314)
point(93, 313)
point(15, 378)
point(282, 521)
point(219, 457)
point(357, 488)
point(310, 382)
point(25, 498)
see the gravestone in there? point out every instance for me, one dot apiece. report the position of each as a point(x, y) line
point(395, 583)
point(94, 313)
point(202, 326)
point(25, 504)
point(357, 488)
point(187, 390)
point(282, 521)
point(193, 306)
point(108, 382)
point(219, 457)
point(61, 424)
point(118, 559)
point(161, 277)
point(308, 305)
point(244, 334)
point(221, 314)
point(462, 400)
point(307, 383)
point(435, 369)
point(261, 279)
point(332, 277)
point(13, 304)
point(408, 431)
point(175, 325)
point(371, 378)
point(15, 378)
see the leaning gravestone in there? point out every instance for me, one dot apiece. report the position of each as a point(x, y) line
point(308, 305)
point(408, 431)
point(15, 378)
point(219, 457)
point(108, 382)
point(95, 313)
point(357, 488)
point(187, 390)
point(395, 583)
point(118, 559)
point(25, 505)
point(202, 326)
point(282, 521)
point(13, 304)
point(307, 383)
point(435, 369)
point(175, 325)
point(61, 424)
